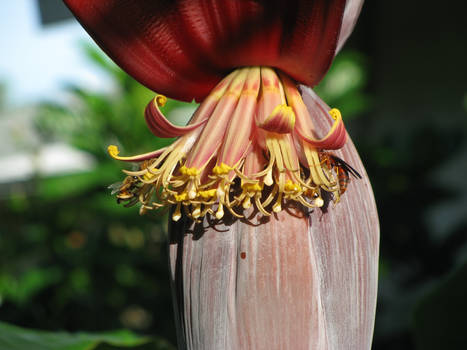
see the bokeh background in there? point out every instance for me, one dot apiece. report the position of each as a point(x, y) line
point(71, 259)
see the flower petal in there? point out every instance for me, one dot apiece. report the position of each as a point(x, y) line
point(334, 139)
point(281, 120)
point(182, 48)
point(352, 10)
point(213, 133)
point(238, 135)
point(307, 115)
point(160, 126)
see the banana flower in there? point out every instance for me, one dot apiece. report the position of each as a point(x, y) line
point(266, 251)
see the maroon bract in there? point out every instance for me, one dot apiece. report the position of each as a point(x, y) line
point(183, 48)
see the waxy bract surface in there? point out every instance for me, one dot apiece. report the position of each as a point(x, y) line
point(183, 48)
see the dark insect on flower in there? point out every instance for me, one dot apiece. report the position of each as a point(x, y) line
point(340, 168)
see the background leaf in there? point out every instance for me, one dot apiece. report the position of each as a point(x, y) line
point(17, 338)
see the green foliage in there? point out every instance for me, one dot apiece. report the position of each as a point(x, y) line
point(16, 338)
point(70, 256)
point(343, 86)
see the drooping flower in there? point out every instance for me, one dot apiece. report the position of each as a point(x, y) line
point(252, 128)
point(258, 143)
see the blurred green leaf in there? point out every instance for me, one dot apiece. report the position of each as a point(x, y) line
point(21, 288)
point(16, 338)
point(57, 187)
point(440, 316)
point(342, 87)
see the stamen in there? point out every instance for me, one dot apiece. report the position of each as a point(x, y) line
point(277, 207)
point(114, 153)
point(177, 213)
point(220, 211)
point(268, 178)
point(196, 213)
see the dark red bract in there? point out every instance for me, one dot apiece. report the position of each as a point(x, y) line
point(182, 48)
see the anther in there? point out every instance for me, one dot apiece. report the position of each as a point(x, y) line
point(181, 197)
point(191, 190)
point(277, 207)
point(318, 202)
point(177, 213)
point(196, 211)
point(268, 178)
point(220, 211)
point(222, 169)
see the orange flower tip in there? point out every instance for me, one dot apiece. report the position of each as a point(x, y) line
point(113, 151)
point(160, 100)
point(335, 114)
point(281, 120)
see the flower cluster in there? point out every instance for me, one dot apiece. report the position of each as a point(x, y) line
point(250, 142)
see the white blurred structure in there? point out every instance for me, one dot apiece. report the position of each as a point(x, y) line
point(22, 156)
point(35, 63)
